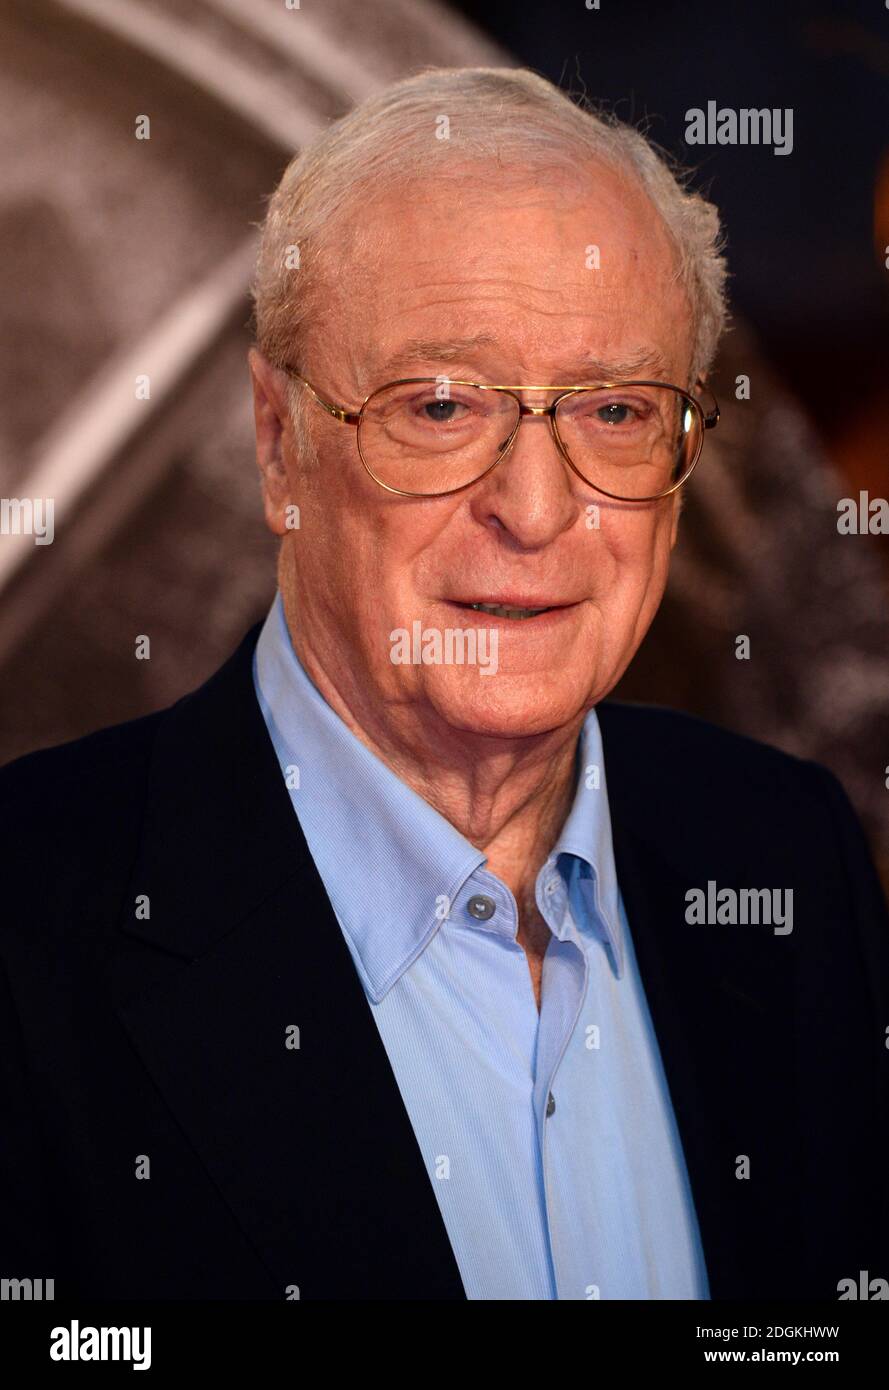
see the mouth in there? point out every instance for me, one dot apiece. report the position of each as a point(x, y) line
point(500, 610)
point(512, 611)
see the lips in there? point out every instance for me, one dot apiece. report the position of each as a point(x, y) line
point(521, 607)
point(502, 610)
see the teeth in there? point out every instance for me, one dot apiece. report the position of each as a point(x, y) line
point(498, 611)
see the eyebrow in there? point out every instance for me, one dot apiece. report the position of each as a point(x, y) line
point(430, 351)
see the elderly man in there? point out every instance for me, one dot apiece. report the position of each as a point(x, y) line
point(396, 962)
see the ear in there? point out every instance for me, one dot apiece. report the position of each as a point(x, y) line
point(271, 416)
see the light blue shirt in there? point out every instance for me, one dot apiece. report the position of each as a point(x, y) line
point(589, 1201)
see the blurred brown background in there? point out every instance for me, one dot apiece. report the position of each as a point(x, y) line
point(125, 256)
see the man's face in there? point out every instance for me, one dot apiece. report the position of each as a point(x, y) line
point(510, 264)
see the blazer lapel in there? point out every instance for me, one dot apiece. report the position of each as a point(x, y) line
point(310, 1145)
point(718, 1000)
point(646, 884)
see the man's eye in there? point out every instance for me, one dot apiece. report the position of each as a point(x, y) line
point(439, 412)
point(615, 413)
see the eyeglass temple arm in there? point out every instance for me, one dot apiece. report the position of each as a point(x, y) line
point(711, 417)
point(348, 417)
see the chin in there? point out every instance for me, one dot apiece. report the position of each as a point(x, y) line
point(519, 707)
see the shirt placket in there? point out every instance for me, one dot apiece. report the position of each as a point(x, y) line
point(563, 989)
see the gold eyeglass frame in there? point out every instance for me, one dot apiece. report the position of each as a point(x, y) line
point(709, 419)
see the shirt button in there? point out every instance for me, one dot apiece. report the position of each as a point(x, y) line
point(481, 907)
point(550, 1105)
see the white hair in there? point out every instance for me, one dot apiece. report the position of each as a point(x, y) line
point(510, 116)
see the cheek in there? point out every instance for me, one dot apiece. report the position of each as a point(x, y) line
point(633, 545)
point(382, 549)
point(630, 567)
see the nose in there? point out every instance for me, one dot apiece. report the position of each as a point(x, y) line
point(531, 493)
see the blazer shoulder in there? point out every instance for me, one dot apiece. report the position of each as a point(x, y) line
point(668, 746)
point(676, 729)
point(676, 777)
point(70, 817)
point(106, 756)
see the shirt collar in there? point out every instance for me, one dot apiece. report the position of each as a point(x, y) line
point(388, 859)
point(584, 851)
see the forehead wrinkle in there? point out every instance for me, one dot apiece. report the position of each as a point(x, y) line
point(586, 366)
point(546, 310)
point(539, 298)
point(506, 283)
point(419, 347)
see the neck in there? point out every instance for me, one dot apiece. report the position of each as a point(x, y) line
point(508, 797)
